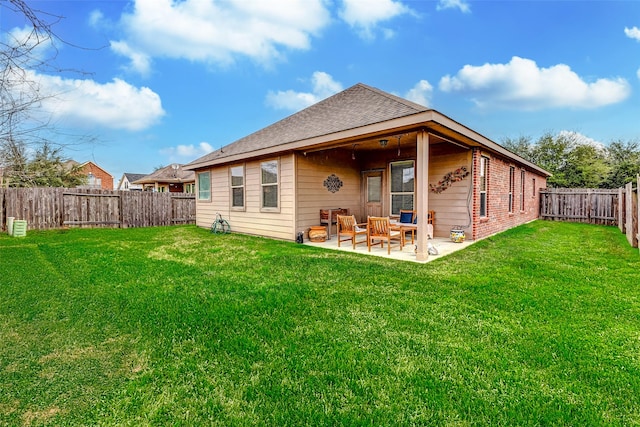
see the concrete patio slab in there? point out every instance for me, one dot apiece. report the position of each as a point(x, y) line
point(444, 246)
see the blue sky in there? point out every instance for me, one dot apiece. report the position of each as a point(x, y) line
point(168, 81)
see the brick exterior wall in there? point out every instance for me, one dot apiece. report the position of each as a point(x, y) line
point(498, 217)
point(98, 172)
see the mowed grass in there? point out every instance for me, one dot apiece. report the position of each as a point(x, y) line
point(539, 325)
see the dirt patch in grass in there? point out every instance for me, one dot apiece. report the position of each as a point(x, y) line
point(39, 417)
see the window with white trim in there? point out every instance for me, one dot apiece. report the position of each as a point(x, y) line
point(237, 186)
point(269, 182)
point(484, 172)
point(533, 187)
point(512, 187)
point(522, 178)
point(204, 186)
point(402, 186)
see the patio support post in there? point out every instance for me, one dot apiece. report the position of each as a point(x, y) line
point(422, 193)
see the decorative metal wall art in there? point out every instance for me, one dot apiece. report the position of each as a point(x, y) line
point(333, 183)
point(448, 180)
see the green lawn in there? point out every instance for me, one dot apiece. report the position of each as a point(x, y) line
point(175, 326)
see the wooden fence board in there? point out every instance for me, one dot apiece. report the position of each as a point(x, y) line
point(629, 217)
point(621, 209)
point(47, 208)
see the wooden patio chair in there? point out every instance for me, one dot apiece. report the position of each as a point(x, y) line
point(408, 217)
point(349, 229)
point(379, 229)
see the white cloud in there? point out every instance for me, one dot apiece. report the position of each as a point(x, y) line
point(182, 152)
point(86, 103)
point(218, 32)
point(581, 139)
point(454, 4)
point(96, 19)
point(633, 33)
point(39, 44)
point(139, 61)
point(365, 15)
point(421, 93)
point(323, 87)
point(522, 84)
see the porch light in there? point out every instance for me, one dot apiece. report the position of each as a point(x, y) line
point(383, 142)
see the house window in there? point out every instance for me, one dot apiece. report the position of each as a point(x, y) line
point(204, 186)
point(402, 186)
point(533, 187)
point(512, 186)
point(190, 188)
point(484, 169)
point(522, 178)
point(237, 186)
point(269, 182)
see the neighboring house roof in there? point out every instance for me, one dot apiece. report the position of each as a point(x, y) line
point(133, 176)
point(171, 174)
point(359, 111)
point(72, 163)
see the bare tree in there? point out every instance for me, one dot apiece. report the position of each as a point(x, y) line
point(23, 132)
point(19, 53)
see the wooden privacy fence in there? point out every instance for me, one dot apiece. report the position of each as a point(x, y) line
point(608, 207)
point(47, 208)
point(594, 206)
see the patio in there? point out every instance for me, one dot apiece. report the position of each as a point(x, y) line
point(444, 245)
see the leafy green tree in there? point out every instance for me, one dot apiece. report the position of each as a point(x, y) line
point(576, 163)
point(522, 146)
point(586, 166)
point(624, 163)
point(551, 152)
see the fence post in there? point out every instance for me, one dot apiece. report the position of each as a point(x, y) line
point(629, 229)
point(621, 204)
point(2, 208)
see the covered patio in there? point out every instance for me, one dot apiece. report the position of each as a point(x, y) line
point(382, 174)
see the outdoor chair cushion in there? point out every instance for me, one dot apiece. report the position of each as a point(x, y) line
point(406, 217)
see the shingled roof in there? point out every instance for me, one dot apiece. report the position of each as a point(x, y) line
point(168, 174)
point(357, 106)
point(134, 176)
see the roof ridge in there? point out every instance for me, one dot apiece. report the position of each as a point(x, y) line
point(354, 107)
point(393, 97)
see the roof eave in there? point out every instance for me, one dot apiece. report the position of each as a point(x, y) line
point(430, 119)
point(323, 141)
point(481, 140)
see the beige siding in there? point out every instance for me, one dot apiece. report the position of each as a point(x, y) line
point(312, 195)
point(206, 210)
point(252, 220)
point(452, 206)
